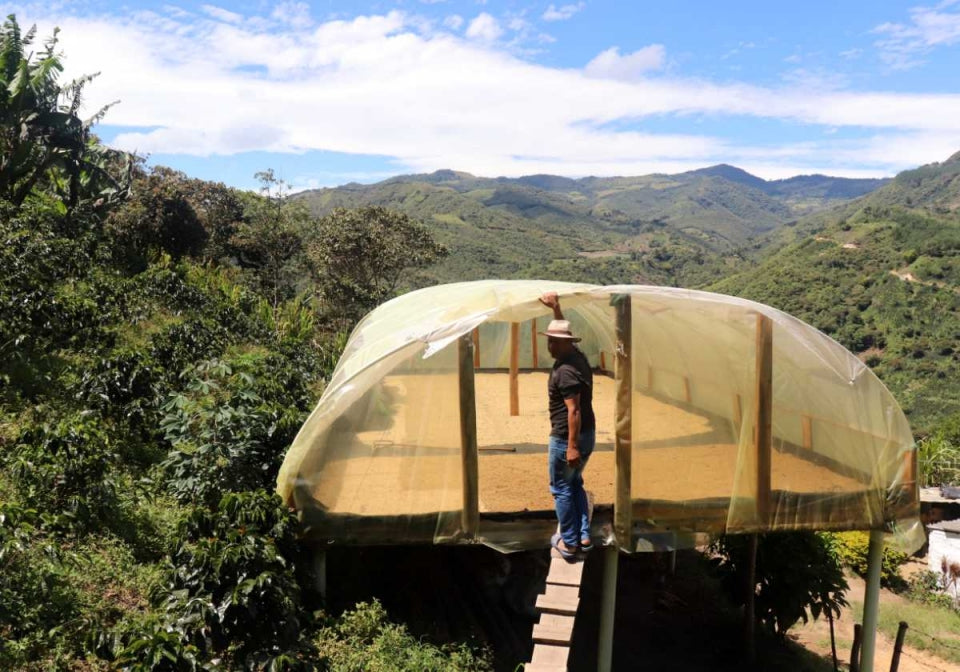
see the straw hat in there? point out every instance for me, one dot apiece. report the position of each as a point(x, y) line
point(560, 329)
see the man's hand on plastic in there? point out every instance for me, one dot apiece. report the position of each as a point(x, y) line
point(550, 300)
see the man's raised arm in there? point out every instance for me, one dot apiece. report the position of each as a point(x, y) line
point(552, 301)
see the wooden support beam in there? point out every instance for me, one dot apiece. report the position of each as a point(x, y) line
point(476, 348)
point(737, 411)
point(603, 361)
point(806, 423)
point(763, 426)
point(623, 510)
point(514, 368)
point(470, 516)
point(686, 389)
point(533, 344)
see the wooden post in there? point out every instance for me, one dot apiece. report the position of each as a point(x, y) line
point(737, 412)
point(807, 425)
point(855, 649)
point(763, 429)
point(476, 348)
point(871, 601)
point(623, 511)
point(533, 344)
point(603, 361)
point(514, 368)
point(898, 647)
point(750, 595)
point(686, 389)
point(470, 516)
point(910, 472)
point(608, 608)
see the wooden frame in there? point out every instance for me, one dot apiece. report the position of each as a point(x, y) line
point(623, 509)
point(514, 368)
point(470, 516)
point(763, 428)
point(534, 346)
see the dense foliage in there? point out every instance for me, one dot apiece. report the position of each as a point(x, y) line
point(853, 550)
point(797, 573)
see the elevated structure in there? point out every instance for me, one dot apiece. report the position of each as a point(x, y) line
point(715, 414)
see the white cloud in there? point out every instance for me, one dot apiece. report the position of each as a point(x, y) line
point(904, 44)
point(610, 64)
point(384, 85)
point(851, 54)
point(296, 14)
point(484, 27)
point(222, 14)
point(453, 22)
point(562, 13)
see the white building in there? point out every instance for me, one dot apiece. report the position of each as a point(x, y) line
point(944, 543)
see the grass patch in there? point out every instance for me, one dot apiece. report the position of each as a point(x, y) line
point(932, 629)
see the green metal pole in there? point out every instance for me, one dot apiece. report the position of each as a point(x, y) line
point(871, 601)
point(608, 608)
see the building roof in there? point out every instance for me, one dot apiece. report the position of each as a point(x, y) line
point(946, 526)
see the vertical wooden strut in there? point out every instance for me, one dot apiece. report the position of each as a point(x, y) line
point(806, 426)
point(470, 517)
point(535, 357)
point(764, 418)
point(476, 348)
point(623, 511)
point(514, 368)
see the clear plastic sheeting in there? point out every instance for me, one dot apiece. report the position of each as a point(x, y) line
point(742, 419)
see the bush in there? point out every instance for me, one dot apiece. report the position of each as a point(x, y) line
point(231, 585)
point(924, 587)
point(364, 640)
point(225, 436)
point(66, 469)
point(35, 601)
point(854, 547)
point(796, 572)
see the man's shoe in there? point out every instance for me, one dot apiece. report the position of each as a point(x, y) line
point(555, 541)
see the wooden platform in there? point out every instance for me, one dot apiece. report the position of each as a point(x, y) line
point(558, 606)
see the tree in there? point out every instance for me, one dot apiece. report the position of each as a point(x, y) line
point(796, 572)
point(43, 141)
point(360, 256)
point(270, 239)
point(159, 216)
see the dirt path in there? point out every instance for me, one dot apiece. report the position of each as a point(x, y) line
point(815, 636)
point(907, 276)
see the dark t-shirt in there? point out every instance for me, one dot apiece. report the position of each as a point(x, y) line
point(568, 377)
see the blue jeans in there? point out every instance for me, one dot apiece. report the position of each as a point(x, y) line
point(566, 486)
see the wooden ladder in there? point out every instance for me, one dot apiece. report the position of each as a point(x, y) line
point(558, 608)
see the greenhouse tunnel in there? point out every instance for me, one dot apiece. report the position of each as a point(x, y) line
point(714, 414)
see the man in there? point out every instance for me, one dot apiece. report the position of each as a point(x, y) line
point(572, 432)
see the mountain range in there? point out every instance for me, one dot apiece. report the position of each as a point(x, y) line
point(875, 263)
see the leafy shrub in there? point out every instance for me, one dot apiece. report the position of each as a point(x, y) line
point(796, 572)
point(224, 437)
point(231, 586)
point(66, 468)
point(924, 587)
point(363, 639)
point(35, 601)
point(853, 548)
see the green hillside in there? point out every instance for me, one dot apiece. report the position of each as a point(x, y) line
point(686, 229)
point(884, 280)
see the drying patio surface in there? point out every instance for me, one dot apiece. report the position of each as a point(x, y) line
point(410, 463)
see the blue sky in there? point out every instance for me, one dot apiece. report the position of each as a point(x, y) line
point(330, 92)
